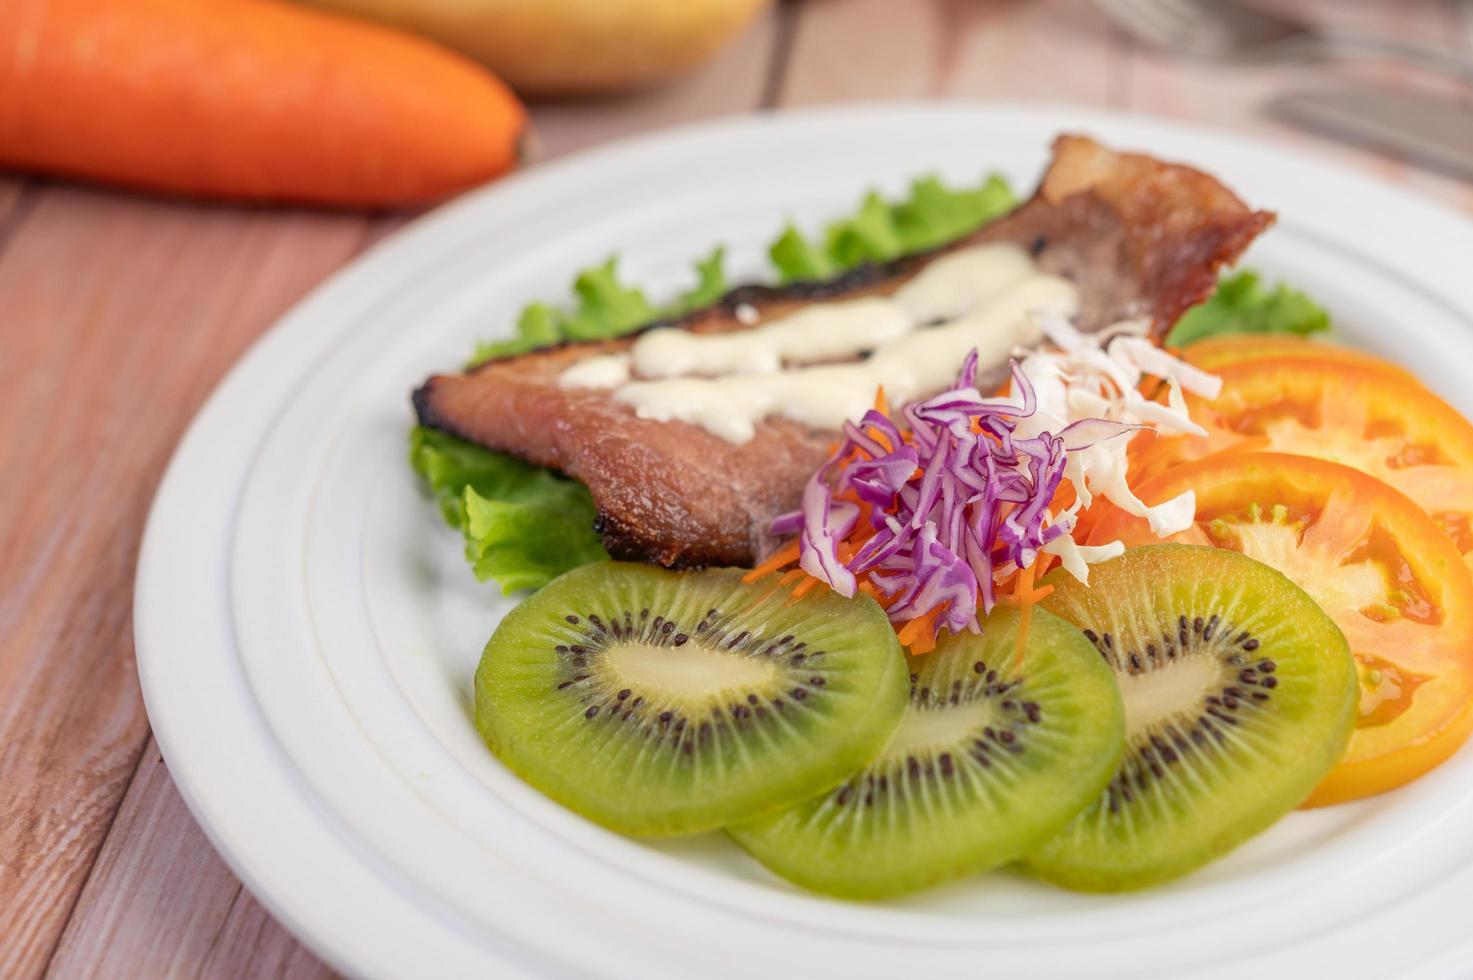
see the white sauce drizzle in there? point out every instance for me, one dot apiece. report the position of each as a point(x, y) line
point(988, 297)
point(604, 371)
point(957, 282)
point(821, 332)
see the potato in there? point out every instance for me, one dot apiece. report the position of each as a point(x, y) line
point(570, 47)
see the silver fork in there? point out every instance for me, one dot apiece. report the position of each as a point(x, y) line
point(1233, 30)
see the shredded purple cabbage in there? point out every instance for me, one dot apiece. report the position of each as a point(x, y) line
point(939, 501)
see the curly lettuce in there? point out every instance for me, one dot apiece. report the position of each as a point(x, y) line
point(604, 306)
point(523, 525)
point(1242, 305)
point(933, 214)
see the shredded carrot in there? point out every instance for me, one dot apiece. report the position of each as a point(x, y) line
point(924, 643)
point(1064, 497)
point(805, 587)
point(886, 601)
point(917, 635)
point(782, 558)
point(1026, 597)
point(921, 630)
point(791, 576)
point(1023, 592)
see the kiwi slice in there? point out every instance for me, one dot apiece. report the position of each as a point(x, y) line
point(661, 703)
point(995, 754)
point(1240, 694)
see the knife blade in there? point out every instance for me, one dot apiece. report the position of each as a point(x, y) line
point(1422, 128)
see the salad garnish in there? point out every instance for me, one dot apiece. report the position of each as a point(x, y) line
point(940, 511)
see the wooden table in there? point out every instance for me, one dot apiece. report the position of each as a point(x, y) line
point(119, 313)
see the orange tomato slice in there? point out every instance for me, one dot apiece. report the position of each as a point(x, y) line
point(1382, 570)
point(1216, 353)
point(1379, 421)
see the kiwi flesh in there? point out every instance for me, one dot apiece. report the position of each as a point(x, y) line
point(995, 754)
point(663, 703)
point(1240, 694)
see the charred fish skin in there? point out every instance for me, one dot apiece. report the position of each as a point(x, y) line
point(1137, 237)
point(725, 313)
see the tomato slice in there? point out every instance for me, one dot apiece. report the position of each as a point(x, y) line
point(1378, 421)
point(1216, 353)
point(1382, 570)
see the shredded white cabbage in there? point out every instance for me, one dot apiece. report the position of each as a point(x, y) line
point(1097, 376)
point(1077, 558)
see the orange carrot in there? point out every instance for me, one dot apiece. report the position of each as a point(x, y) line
point(781, 558)
point(1024, 594)
point(805, 587)
point(921, 631)
point(246, 99)
point(1026, 597)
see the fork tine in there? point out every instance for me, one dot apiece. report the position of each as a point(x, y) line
point(1143, 18)
point(1185, 13)
point(1212, 28)
point(1182, 19)
point(1118, 10)
point(1180, 26)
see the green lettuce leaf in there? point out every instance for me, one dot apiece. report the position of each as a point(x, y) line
point(933, 214)
point(604, 307)
point(710, 283)
point(869, 236)
point(448, 465)
point(796, 258)
point(523, 525)
point(538, 326)
point(526, 543)
point(936, 214)
point(1242, 305)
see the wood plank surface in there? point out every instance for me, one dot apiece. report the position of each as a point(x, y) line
point(118, 313)
point(133, 308)
point(121, 313)
point(14, 194)
point(981, 49)
point(183, 913)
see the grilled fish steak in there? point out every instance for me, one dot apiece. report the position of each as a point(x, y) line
point(1137, 237)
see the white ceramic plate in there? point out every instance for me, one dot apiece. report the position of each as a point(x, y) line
point(307, 630)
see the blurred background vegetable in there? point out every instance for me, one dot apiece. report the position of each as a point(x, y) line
point(571, 47)
point(246, 99)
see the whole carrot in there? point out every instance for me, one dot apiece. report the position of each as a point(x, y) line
point(246, 99)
